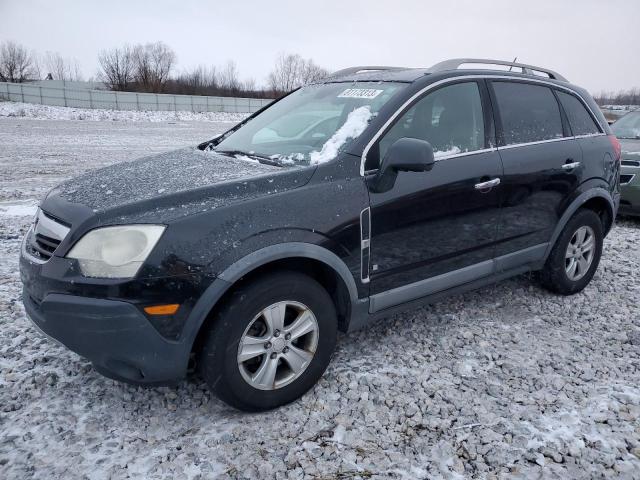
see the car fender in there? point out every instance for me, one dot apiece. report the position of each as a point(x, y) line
point(578, 202)
point(226, 279)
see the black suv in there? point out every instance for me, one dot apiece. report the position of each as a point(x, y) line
point(375, 190)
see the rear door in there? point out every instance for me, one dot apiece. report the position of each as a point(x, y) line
point(542, 167)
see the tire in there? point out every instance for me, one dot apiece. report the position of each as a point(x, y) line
point(555, 275)
point(243, 317)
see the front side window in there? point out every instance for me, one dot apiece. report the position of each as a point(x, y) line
point(449, 118)
point(312, 125)
point(529, 113)
point(579, 119)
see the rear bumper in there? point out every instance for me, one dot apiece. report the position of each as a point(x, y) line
point(115, 336)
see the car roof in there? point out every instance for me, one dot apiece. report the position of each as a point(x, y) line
point(453, 66)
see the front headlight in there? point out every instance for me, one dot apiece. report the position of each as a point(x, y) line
point(115, 252)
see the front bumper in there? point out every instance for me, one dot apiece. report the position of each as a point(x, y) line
point(115, 336)
point(104, 321)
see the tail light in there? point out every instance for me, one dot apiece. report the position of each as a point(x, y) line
point(617, 148)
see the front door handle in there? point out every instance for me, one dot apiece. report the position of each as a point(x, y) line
point(487, 185)
point(570, 165)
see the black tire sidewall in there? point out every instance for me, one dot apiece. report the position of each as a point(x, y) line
point(219, 364)
point(555, 273)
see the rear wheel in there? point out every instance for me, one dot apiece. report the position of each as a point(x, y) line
point(575, 256)
point(270, 342)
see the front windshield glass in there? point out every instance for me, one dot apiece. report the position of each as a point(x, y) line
point(311, 125)
point(628, 126)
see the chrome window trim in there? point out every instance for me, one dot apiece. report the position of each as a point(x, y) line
point(527, 144)
point(447, 157)
point(434, 85)
point(588, 135)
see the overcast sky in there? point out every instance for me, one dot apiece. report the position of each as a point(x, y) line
point(594, 43)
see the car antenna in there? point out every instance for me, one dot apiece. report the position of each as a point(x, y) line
point(514, 61)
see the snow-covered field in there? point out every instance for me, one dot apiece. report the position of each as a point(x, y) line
point(30, 110)
point(509, 381)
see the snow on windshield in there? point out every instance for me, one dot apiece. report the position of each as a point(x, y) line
point(356, 122)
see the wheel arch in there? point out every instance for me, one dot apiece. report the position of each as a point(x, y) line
point(597, 199)
point(323, 265)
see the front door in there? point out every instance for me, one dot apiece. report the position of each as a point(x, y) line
point(437, 229)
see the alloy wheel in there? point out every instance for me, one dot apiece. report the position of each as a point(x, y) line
point(278, 345)
point(580, 253)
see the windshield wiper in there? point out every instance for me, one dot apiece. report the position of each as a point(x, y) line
point(260, 158)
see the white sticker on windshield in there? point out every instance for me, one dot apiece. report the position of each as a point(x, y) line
point(360, 93)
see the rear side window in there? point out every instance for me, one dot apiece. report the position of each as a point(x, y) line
point(580, 120)
point(529, 113)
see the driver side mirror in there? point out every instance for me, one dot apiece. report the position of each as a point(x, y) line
point(404, 155)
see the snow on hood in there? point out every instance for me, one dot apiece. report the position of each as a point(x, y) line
point(156, 176)
point(356, 122)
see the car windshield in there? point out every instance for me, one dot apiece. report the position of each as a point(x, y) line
point(310, 126)
point(628, 126)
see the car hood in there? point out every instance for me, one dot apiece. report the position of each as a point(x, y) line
point(162, 187)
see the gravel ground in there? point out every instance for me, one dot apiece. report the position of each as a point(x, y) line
point(509, 381)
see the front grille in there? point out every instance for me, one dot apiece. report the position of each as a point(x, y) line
point(44, 237)
point(626, 178)
point(42, 247)
point(630, 163)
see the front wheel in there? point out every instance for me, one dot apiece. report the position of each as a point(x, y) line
point(270, 342)
point(575, 256)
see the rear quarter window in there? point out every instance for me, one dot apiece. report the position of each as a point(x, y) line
point(580, 120)
point(529, 113)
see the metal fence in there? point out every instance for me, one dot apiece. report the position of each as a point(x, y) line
point(84, 98)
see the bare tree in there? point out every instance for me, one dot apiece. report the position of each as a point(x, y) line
point(622, 97)
point(16, 63)
point(61, 68)
point(153, 64)
point(117, 67)
point(292, 71)
point(201, 80)
point(249, 85)
point(229, 77)
point(148, 68)
point(312, 72)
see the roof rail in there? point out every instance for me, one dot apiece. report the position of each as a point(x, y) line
point(351, 70)
point(455, 63)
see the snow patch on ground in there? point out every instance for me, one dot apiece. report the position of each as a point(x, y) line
point(20, 208)
point(31, 110)
point(355, 124)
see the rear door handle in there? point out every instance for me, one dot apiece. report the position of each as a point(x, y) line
point(570, 166)
point(486, 185)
